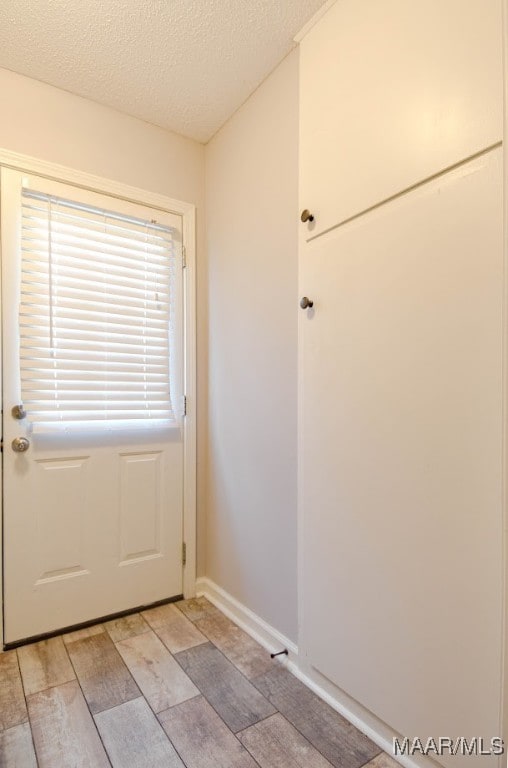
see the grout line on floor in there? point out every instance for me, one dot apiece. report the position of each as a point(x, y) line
point(252, 681)
point(89, 710)
point(26, 706)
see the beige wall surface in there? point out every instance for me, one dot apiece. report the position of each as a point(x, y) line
point(252, 198)
point(56, 126)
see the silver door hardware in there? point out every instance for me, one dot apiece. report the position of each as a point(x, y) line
point(306, 215)
point(18, 412)
point(184, 553)
point(20, 444)
point(305, 302)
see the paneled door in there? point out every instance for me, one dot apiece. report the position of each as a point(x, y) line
point(92, 415)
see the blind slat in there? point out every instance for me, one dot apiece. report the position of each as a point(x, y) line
point(34, 248)
point(88, 298)
point(95, 317)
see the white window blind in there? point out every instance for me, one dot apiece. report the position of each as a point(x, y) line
point(95, 316)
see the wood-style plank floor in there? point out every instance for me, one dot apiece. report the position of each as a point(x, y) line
point(178, 686)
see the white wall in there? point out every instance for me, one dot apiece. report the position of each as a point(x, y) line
point(252, 214)
point(59, 127)
point(56, 126)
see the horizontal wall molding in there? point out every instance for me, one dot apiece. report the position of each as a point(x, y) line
point(361, 718)
point(266, 635)
point(273, 640)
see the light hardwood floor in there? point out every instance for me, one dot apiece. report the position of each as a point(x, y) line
point(178, 686)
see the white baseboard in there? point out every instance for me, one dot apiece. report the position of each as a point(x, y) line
point(254, 625)
point(366, 722)
point(273, 640)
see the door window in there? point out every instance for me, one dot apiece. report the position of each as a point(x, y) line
point(95, 316)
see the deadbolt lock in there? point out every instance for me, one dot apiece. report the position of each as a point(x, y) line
point(18, 412)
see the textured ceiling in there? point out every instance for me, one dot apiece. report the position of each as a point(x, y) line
point(185, 65)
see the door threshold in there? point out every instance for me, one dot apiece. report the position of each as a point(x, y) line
point(85, 624)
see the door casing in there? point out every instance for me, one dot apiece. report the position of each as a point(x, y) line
point(187, 211)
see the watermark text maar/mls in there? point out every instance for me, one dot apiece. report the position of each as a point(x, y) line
point(444, 745)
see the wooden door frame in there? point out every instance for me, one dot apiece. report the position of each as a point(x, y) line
point(187, 211)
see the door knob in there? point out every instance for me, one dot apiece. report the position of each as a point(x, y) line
point(306, 215)
point(18, 412)
point(20, 444)
point(306, 303)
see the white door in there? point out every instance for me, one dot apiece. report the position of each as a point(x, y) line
point(400, 439)
point(93, 351)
